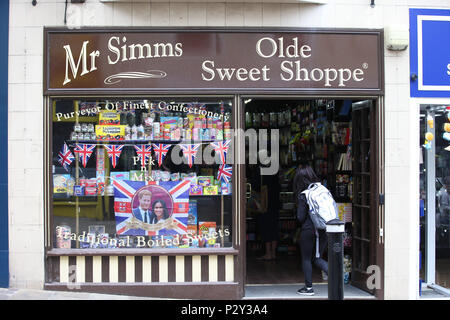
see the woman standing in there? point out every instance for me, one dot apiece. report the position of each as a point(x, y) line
point(311, 254)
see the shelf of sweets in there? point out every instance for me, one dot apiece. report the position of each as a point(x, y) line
point(143, 141)
point(208, 195)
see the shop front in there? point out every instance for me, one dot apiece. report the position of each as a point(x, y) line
point(430, 90)
point(149, 135)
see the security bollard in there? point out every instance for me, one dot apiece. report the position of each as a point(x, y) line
point(335, 231)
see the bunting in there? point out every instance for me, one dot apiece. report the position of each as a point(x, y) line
point(225, 172)
point(65, 157)
point(114, 152)
point(189, 151)
point(161, 151)
point(84, 152)
point(144, 152)
point(221, 148)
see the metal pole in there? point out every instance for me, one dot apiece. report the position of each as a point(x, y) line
point(430, 206)
point(335, 231)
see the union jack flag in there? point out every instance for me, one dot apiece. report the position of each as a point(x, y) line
point(225, 172)
point(84, 151)
point(189, 151)
point(114, 152)
point(144, 152)
point(161, 151)
point(178, 191)
point(65, 157)
point(221, 148)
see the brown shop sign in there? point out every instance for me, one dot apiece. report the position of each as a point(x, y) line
point(218, 61)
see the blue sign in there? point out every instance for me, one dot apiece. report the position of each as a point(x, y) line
point(429, 52)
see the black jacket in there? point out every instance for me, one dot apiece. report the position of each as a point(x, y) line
point(303, 213)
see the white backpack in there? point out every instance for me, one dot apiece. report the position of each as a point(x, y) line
point(322, 207)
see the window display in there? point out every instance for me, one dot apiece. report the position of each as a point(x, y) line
point(435, 192)
point(137, 173)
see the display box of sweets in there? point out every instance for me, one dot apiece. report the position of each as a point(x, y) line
point(60, 183)
point(195, 190)
point(89, 186)
point(110, 132)
point(225, 188)
point(192, 229)
point(205, 181)
point(208, 229)
point(192, 213)
point(109, 117)
point(210, 190)
point(120, 175)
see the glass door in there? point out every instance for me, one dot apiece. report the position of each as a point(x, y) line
point(435, 194)
point(364, 192)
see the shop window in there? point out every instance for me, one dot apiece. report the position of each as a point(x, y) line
point(141, 173)
point(435, 193)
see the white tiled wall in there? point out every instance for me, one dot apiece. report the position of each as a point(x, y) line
point(25, 147)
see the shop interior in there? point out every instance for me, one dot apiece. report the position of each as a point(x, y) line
point(317, 132)
point(89, 200)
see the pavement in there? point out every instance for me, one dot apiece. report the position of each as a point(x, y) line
point(253, 292)
point(289, 292)
point(31, 294)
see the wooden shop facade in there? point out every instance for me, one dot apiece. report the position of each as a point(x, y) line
point(146, 158)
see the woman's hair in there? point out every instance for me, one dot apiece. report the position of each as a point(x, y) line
point(165, 213)
point(304, 176)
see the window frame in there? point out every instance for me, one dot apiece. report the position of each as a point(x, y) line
point(49, 226)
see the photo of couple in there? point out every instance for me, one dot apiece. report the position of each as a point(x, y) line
point(152, 205)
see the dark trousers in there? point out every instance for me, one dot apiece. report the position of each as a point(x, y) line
point(308, 250)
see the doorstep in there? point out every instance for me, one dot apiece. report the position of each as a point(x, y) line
point(289, 292)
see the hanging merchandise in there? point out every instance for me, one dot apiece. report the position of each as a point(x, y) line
point(428, 138)
point(430, 121)
point(144, 152)
point(447, 127)
point(161, 151)
point(114, 152)
point(446, 136)
point(84, 152)
point(189, 151)
point(221, 148)
point(65, 157)
point(428, 135)
point(225, 172)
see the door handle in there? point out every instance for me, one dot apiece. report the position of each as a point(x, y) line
point(248, 193)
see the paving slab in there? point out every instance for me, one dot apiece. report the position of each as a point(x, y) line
point(31, 294)
point(289, 292)
point(252, 292)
